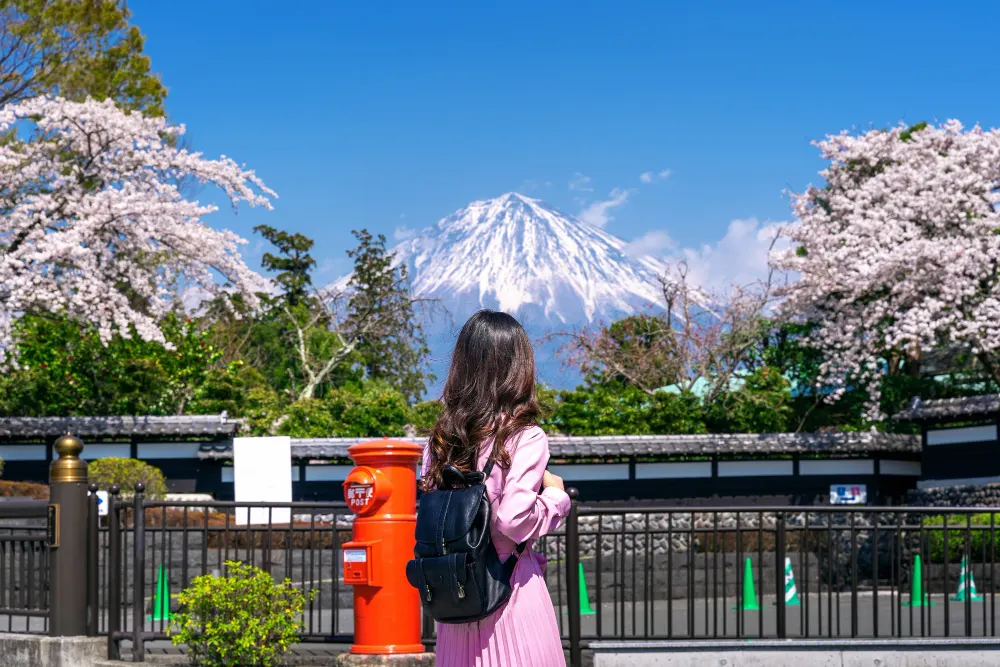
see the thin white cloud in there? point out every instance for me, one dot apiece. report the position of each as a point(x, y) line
point(655, 243)
point(739, 258)
point(650, 176)
point(404, 233)
point(580, 183)
point(598, 213)
point(532, 184)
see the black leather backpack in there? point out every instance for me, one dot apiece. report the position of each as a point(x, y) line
point(456, 568)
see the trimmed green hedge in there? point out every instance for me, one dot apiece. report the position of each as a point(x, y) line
point(979, 537)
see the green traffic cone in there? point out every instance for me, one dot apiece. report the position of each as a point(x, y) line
point(791, 593)
point(161, 599)
point(749, 592)
point(585, 608)
point(966, 584)
point(917, 596)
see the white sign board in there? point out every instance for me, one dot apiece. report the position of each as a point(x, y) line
point(102, 503)
point(848, 494)
point(262, 472)
point(355, 556)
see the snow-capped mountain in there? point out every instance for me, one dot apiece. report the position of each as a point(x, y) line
point(551, 270)
point(522, 256)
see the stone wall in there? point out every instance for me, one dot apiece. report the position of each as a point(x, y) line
point(985, 495)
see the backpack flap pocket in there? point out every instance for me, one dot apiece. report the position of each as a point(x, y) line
point(447, 591)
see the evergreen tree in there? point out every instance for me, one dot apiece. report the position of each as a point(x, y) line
point(394, 351)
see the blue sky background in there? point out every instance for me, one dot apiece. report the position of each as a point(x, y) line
point(394, 114)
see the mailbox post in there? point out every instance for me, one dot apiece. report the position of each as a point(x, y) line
point(382, 491)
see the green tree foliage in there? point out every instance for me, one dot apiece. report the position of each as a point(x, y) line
point(371, 410)
point(75, 49)
point(243, 618)
point(293, 264)
point(64, 369)
point(762, 405)
point(617, 408)
point(126, 473)
point(394, 349)
point(424, 415)
point(238, 390)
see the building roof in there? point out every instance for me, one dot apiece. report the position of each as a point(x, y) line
point(94, 427)
point(562, 446)
point(945, 408)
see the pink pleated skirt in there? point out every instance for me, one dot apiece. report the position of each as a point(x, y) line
point(522, 633)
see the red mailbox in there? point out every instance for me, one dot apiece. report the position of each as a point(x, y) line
point(382, 492)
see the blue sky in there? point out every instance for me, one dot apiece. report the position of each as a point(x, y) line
point(393, 114)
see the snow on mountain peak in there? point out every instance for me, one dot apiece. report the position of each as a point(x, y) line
point(520, 255)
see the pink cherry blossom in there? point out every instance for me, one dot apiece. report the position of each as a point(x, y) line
point(94, 223)
point(900, 251)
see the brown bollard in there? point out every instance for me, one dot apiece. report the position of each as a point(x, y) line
point(67, 540)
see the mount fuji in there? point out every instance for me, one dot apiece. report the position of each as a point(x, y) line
point(513, 253)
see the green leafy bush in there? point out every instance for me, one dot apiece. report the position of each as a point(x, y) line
point(424, 415)
point(244, 618)
point(126, 473)
point(308, 418)
point(762, 405)
point(979, 538)
point(613, 408)
point(375, 409)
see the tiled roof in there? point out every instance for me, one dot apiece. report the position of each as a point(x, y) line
point(91, 427)
point(944, 408)
point(561, 446)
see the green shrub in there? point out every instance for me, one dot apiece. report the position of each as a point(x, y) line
point(244, 618)
point(125, 473)
point(979, 538)
point(424, 415)
point(373, 410)
point(376, 410)
point(307, 418)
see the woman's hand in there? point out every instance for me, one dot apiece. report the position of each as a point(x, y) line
point(548, 479)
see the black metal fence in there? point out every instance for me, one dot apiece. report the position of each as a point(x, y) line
point(650, 573)
point(776, 573)
point(151, 542)
point(24, 567)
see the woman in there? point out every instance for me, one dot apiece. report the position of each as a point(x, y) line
point(490, 410)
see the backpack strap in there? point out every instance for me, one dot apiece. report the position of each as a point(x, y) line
point(519, 549)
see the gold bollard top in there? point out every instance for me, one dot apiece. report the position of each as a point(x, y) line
point(69, 467)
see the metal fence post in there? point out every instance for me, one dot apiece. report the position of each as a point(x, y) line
point(573, 579)
point(67, 538)
point(780, 578)
point(93, 556)
point(114, 572)
point(139, 575)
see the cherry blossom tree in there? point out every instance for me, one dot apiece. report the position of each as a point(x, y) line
point(93, 224)
point(899, 252)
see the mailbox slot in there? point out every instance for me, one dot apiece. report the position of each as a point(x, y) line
point(359, 563)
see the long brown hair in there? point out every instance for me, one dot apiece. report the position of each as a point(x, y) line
point(489, 393)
